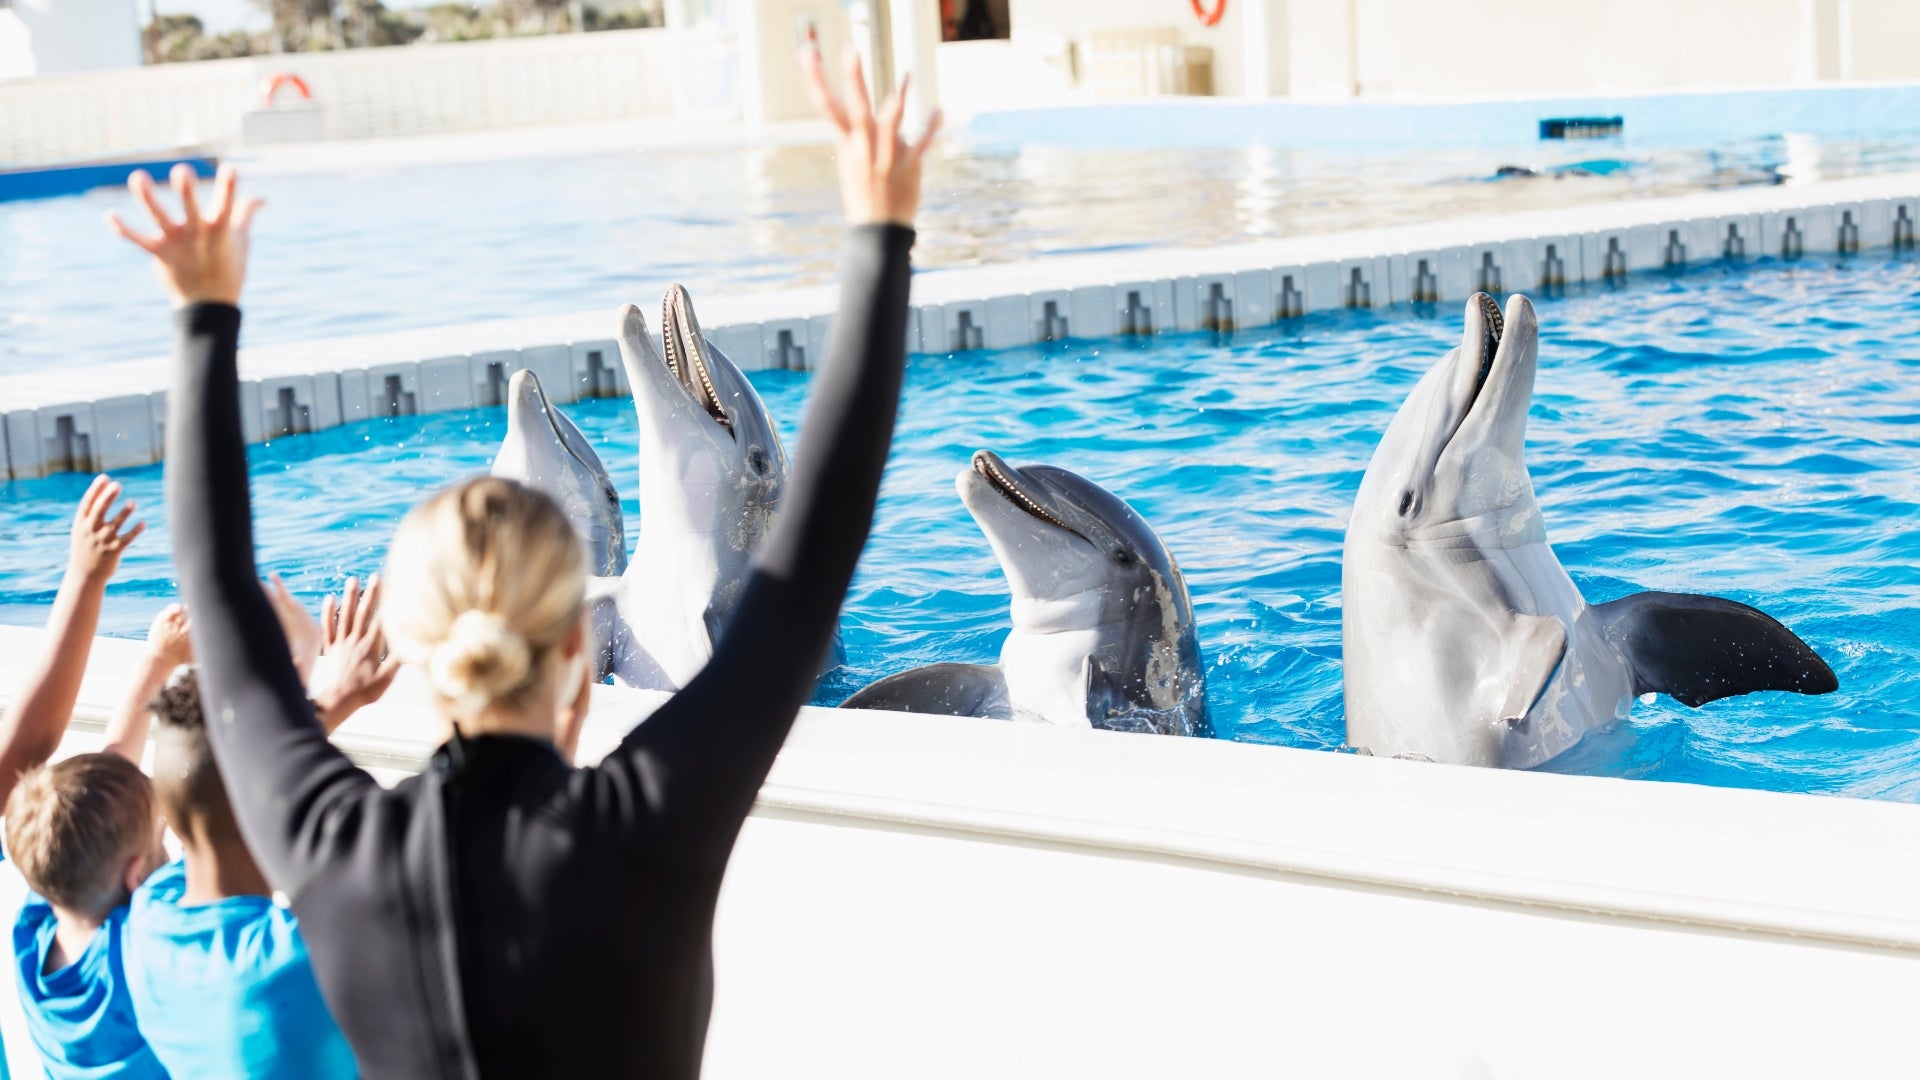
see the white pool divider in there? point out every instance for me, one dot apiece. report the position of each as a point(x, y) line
point(932, 897)
point(112, 415)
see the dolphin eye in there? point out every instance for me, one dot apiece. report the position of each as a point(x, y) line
point(1123, 556)
point(1406, 502)
point(757, 461)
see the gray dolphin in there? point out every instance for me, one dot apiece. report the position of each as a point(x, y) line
point(1464, 640)
point(712, 472)
point(544, 450)
point(1103, 632)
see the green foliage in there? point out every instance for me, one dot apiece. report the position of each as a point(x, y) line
point(314, 25)
point(623, 17)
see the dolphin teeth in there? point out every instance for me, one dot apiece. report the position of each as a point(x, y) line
point(1496, 327)
point(1008, 488)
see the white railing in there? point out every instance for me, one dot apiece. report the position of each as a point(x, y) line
point(405, 90)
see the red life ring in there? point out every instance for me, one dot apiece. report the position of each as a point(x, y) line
point(272, 87)
point(1210, 18)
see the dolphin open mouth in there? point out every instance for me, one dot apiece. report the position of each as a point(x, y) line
point(999, 474)
point(1492, 325)
point(686, 354)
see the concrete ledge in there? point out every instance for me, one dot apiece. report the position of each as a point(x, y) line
point(91, 419)
point(947, 897)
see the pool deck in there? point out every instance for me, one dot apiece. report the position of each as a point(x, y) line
point(952, 897)
point(111, 415)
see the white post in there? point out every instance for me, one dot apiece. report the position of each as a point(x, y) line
point(916, 36)
point(1264, 33)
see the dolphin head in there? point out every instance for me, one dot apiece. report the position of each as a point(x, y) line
point(711, 462)
point(545, 451)
point(1079, 560)
point(1454, 455)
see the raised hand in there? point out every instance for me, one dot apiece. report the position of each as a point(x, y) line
point(99, 534)
point(197, 259)
point(879, 171)
point(296, 622)
point(357, 650)
point(167, 639)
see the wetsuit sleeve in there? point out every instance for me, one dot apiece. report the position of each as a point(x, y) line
point(696, 765)
point(289, 786)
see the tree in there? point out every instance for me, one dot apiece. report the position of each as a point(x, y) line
point(304, 25)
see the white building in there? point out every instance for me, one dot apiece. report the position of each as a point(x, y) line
point(56, 37)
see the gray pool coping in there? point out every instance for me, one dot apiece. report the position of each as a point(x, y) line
point(111, 415)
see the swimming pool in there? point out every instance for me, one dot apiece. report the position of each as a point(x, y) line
point(1747, 432)
point(432, 245)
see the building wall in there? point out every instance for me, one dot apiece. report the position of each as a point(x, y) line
point(406, 90)
point(1412, 49)
point(1039, 22)
point(1880, 39)
point(58, 37)
point(1416, 48)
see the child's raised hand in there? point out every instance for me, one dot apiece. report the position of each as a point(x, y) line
point(196, 258)
point(167, 638)
point(357, 651)
point(99, 534)
point(879, 171)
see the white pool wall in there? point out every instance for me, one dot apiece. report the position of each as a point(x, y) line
point(945, 897)
point(111, 415)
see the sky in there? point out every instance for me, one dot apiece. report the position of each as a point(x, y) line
point(220, 16)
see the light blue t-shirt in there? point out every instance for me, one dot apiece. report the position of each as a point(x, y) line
point(81, 1017)
point(226, 989)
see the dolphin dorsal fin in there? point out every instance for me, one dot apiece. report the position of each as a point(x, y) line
point(1698, 649)
point(1531, 648)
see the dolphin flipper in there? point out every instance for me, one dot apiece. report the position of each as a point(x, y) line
point(940, 690)
point(1703, 648)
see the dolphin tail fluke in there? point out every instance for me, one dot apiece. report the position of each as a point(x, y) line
point(1703, 648)
point(939, 690)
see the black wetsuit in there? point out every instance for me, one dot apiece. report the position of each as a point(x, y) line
point(505, 914)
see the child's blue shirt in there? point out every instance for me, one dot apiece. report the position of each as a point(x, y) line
point(225, 989)
point(81, 1017)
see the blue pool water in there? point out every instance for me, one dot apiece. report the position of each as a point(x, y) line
point(430, 245)
point(1751, 433)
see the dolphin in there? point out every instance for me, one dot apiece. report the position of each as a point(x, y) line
point(1464, 640)
point(545, 451)
point(1103, 632)
point(712, 472)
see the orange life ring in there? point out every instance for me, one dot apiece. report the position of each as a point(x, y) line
point(1210, 18)
point(272, 86)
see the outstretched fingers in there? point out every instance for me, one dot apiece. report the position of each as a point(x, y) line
point(243, 220)
point(142, 187)
point(363, 623)
point(184, 184)
point(925, 140)
point(894, 111)
point(821, 91)
point(148, 244)
point(862, 108)
point(223, 186)
point(87, 501)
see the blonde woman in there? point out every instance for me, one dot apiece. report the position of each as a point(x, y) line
point(505, 914)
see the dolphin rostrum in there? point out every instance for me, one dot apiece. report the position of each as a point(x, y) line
point(711, 475)
point(1464, 640)
point(543, 450)
point(1103, 633)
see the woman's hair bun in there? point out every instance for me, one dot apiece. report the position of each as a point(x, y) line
point(481, 660)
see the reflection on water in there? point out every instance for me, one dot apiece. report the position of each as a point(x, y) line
point(422, 246)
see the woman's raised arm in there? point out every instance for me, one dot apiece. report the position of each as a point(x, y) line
point(289, 786)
